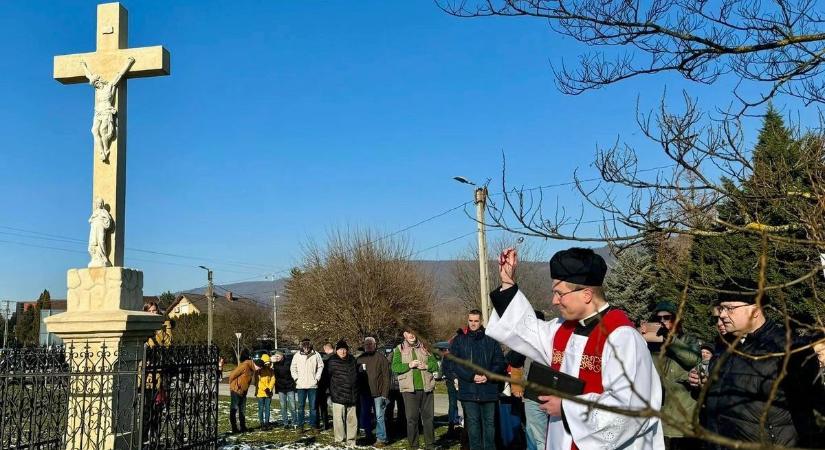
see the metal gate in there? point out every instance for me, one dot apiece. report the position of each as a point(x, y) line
point(159, 398)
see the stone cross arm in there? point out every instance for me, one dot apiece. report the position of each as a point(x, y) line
point(149, 62)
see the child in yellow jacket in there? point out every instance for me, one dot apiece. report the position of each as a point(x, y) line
point(266, 385)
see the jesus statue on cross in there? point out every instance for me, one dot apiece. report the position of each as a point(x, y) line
point(104, 125)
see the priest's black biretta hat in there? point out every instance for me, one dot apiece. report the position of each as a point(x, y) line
point(579, 266)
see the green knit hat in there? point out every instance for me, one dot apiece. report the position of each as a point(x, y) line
point(665, 305)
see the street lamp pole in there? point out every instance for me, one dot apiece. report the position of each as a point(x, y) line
point(484, 282)
point(275, 318)
point(210, 300)
point(238, 348)
point(480, 200)
point(275, 298)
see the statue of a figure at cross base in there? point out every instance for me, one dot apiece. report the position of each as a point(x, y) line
point(100, 224)
point(104, 124)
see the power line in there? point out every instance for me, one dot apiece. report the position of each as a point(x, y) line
point(68, 250)
point(59, 238)
point(31, 234)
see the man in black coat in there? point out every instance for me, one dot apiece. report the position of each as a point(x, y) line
point(743, 381)
point(285, 387)
point(323, 389)
point(477, 394)
point(343, 390)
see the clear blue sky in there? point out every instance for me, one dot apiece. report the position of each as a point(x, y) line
point(283, 120)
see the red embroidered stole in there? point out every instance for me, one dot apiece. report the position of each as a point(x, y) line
point(590, 370)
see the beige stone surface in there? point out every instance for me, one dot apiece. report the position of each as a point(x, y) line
point(100, 316)
point(104, 289)
point(111, 53)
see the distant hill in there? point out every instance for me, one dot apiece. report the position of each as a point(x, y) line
point(440, 271)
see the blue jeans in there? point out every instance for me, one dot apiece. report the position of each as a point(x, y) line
point(536, 425)
point(372, 415)
point(289, 402)
point(264, 403)
point(306, 396)
point(380, 405)
point(510, 422)
point(480, 423)
point(364, 410)
point(452, 404)
point(237, 407)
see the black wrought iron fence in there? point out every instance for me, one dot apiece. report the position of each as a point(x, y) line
point(33, 398)
point(181, 397)
point(95, 396)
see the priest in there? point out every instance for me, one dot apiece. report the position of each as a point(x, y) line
point(591, 341)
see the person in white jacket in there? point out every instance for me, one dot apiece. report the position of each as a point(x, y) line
point(307, 367)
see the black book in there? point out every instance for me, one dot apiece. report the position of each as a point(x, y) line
point(553, 379)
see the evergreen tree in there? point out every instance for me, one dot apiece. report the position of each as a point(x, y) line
point(630, 284)
point(45, 300)
point(765, 201)
point(165, 300)
point(25, 330)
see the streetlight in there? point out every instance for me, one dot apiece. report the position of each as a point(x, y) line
point(480, 200)
point(238, 348)
point(275, 298)
point(210, 300)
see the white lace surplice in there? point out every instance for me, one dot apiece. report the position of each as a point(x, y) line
point(626, 366)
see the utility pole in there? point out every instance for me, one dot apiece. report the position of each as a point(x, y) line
point(6, 325)
point(210, 300)
point(275, 318)
point(484, 283)
point(480, 199)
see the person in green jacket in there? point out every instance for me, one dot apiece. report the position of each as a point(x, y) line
point(680, 356)
point(415, 367)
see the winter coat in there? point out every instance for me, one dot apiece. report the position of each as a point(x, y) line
point(447, 365)
point(241, 377)
point(374, 374)
point(481, 350)
point(323, 383)
point(306, 369)
point(283, 377)
point(738, 397)
point(343, 380)
point(411, 380)
point(266, 382)
point(681, 356)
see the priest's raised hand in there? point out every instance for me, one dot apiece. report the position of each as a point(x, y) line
point(507, 261)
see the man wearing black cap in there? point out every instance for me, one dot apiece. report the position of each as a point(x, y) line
point(590, 341)
point(343, 390)
point(749, 385)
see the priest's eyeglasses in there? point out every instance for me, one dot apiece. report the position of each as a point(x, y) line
point(561, 295)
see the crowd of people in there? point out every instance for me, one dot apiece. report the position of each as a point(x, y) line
point(613, 383)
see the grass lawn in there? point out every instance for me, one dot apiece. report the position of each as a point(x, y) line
point(291, 439)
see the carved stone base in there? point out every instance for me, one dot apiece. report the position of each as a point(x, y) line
point(104, 289)
point(105, 328)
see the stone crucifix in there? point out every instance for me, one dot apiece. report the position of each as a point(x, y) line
point(107, 70)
